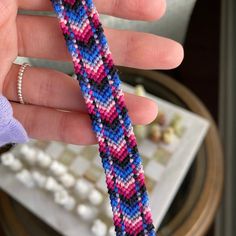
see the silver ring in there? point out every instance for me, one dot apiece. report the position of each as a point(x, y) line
point(19, 82)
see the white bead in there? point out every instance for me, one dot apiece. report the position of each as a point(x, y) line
point(29, 154)
point(82, 188)
point(7, 159)
point(95, 197)
point(67, 180)
point(57, 168)
point(168, 135)
point(86, 213)
point(52, 185)
point(61, 197)
point(24, 149)
point(99, 228)
point(39, 179)
point(70, 204)
point(16, 165)
point(43, 159)
point(55, 149)
point(26, 178)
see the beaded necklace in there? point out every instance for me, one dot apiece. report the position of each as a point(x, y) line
point(100, 85)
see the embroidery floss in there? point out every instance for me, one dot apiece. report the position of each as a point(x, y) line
point(100, 85)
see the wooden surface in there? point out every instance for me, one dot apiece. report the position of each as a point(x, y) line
point(197, 201)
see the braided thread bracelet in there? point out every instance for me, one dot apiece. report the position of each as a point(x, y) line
point(100, 85)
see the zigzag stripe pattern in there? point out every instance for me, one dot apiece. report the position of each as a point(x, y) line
point(100, 85)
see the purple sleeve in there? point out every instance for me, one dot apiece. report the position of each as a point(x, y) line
point(11, 130)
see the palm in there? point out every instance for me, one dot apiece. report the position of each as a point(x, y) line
point(48, 92)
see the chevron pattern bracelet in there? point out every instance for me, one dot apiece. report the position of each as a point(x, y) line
point(100, 85)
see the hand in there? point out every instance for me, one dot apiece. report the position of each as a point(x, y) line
point(48, 92)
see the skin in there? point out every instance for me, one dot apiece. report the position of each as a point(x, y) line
point(56, 110)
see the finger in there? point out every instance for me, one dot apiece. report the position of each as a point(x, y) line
point(37, 5)
point(49, 124)
point(132, 49)
point(135, 9)
point(49, 88)
point(143, 50)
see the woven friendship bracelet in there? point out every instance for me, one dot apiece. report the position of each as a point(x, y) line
point(100, 85)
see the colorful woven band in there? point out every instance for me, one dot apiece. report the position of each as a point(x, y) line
point(100, 85)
